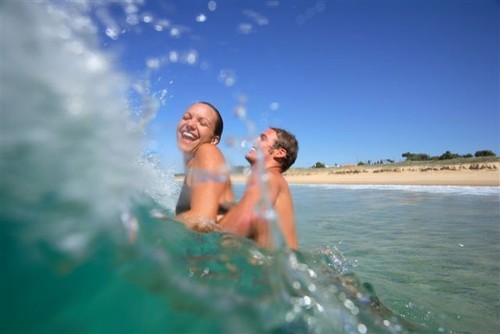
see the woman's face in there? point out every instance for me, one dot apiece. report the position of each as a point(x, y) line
point(196, 127)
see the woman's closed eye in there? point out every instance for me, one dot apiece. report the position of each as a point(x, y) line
point(204, 122)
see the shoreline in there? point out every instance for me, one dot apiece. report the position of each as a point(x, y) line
point(465, 174)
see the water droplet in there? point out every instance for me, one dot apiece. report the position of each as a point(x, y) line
point(112, 33)
point(311, 273)
point(306, 301)
point(349, 304)
point(212, 6)
point(229, 82)
point(333, 289)
point(228, 77)
point(245, 28)
point(131, 8)
point(240, 111)
point(163, 24)
point(204, 66)
point(153, 63)
point(201, 18)
point(163, 96)
point(175, 32)
point(206, 271)
point(362, 328)
point(173, 56)
point(320, 308)
point(132, 19)
point(192, 57)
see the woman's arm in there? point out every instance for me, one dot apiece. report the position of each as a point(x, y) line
point(208, 178)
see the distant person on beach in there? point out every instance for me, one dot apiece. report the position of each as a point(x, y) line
point(248, 218)
point(206, 191)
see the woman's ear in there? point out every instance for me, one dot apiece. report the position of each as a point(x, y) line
point(215, 140)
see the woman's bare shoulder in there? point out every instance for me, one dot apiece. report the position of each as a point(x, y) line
point(207, 149)
point(208, 155)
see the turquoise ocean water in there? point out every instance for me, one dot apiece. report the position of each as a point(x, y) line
point(431, 252)
point(372, 259)
point(85, 246)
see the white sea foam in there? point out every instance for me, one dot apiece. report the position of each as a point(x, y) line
point(454, 190)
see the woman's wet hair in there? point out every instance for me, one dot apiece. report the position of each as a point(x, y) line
point(219, 125)
point(287, 141)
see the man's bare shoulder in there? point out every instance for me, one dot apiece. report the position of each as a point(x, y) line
point(277, 179)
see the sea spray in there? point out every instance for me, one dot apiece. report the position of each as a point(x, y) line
point(71, 153)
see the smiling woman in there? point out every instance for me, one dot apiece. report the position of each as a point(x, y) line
point(200, 124)
point(206, 191)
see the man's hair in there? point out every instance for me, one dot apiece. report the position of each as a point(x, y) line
point(287, 141)
point(219, 125)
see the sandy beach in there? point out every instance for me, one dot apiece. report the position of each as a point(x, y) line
point(462, 174)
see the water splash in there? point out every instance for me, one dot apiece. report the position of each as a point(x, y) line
point(68, 141)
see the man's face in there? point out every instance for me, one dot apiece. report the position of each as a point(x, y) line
point(264, 142)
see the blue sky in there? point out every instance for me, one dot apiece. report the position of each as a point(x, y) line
point(353, 80)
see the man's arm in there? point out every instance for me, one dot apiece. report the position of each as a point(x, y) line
point(240, 217)
point(245, 219)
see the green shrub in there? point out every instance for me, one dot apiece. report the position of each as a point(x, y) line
point(485, 153)
point(319, 165)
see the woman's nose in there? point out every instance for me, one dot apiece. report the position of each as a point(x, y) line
point(190, 123)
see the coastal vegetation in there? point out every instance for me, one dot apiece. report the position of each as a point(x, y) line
point(319, 165)
point(447, 157)
point(454, 164)
point(481, 160)
point(473, 171)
